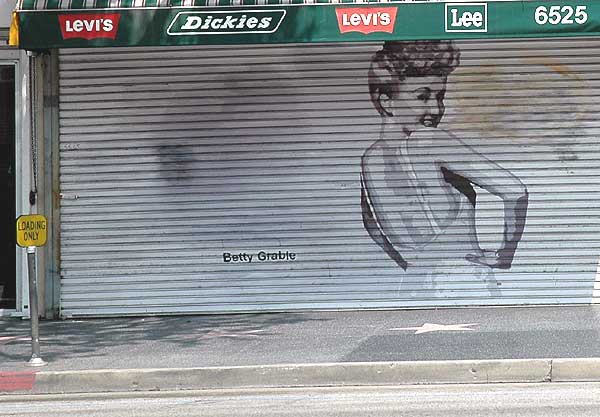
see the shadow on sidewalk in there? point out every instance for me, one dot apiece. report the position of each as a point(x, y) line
point(87, 337)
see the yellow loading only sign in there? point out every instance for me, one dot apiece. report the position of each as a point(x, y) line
point(32, 230)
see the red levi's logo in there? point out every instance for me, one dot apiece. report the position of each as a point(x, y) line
point(89, 26)
point(367, 19)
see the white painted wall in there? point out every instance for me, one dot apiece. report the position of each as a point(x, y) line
point(6, 7)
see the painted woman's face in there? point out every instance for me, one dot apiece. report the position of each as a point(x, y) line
point(419, 101)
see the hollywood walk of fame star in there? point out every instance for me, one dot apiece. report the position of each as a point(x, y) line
point(216, 333)
point(7, 339)
point(431, 327)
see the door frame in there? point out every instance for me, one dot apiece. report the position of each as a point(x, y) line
point(10, 56)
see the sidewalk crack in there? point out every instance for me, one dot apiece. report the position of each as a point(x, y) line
point(548, 377)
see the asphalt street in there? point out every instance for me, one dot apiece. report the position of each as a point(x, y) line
point(506, 400)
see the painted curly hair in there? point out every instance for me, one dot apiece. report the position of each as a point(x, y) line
point(400, 59)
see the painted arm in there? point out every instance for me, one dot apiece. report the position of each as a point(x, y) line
point(479, 170)
point(515, 212)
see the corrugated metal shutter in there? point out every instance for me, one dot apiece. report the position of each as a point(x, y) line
point(171, 159)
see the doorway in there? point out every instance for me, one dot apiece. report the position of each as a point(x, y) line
point(8, 279)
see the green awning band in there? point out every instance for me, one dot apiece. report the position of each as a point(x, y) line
point(125, 4)
point(46, 24)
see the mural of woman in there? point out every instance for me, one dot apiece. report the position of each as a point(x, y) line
point(417, 196)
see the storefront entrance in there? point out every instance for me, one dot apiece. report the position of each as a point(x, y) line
point(291, 156)
point(7, 187)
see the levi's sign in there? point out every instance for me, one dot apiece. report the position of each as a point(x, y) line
point(366, 20)
point(226, 23)
point(466, 17)
point(89, 26)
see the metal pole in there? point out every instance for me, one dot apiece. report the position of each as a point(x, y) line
point(36, 359)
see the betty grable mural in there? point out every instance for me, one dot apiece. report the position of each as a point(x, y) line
point(418, 199)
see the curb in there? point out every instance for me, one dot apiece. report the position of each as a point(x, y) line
point(302, 375)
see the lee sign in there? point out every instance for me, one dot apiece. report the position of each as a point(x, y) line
point(466, 17)
point(32, 230)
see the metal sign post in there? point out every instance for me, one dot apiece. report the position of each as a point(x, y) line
point(32, 232)
point(36, 359)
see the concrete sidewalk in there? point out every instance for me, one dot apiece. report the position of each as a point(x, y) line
point(298, 349)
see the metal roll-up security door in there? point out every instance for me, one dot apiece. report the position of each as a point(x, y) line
point(228, 179)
